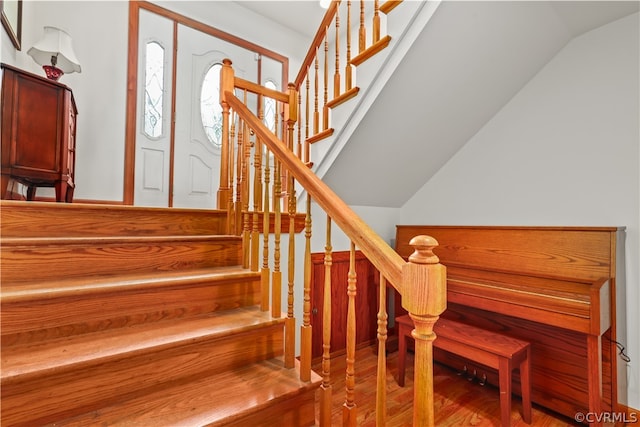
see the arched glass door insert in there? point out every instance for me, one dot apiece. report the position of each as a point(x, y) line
point(210, 108)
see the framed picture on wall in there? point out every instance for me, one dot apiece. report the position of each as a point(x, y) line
point(12, 20)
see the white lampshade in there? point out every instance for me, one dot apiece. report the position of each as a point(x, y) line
point(55, 42)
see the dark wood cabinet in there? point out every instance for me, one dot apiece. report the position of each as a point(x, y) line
point(38, 134)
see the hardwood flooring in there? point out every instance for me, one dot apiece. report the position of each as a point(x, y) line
point(458, 402)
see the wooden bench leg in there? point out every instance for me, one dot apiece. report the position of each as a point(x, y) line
point(525, 386)
point(504, 374)
point(402, 352)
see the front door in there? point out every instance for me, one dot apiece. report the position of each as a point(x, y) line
point(198, 119)
point(178, 129)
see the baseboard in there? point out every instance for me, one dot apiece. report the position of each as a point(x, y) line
point(85, 201)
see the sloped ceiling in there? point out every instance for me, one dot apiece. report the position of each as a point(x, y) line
point(468, 62)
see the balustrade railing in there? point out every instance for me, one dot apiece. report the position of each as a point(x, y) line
point(261, 169)
point(322, 86)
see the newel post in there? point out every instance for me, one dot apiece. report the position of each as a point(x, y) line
point(226, 85)
point(424, 296)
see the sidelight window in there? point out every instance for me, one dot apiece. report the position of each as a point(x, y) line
point(270, 109)
point(153, 89)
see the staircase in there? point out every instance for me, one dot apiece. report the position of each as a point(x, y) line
point(137, 316)
point(125, 316)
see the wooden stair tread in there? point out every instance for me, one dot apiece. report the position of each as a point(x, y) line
point(120, 282)
point(80, 241)
point(214, 400)
point(99, 347)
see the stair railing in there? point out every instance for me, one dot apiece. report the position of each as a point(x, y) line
point(350, 32)
point(421, 281)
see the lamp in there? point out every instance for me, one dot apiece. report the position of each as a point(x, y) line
point(55, 53)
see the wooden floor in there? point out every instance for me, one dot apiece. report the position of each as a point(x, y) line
point(458, 402)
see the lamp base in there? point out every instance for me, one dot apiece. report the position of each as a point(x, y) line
point(53, 73)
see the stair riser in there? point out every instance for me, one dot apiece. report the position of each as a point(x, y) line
point(34, 219)
point(297, 411)
point(24, 263)
point(78, 389)
point(38, 320)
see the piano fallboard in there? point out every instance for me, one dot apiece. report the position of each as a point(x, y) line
point(575, 305)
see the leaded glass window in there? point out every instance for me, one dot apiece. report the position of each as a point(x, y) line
point(210, 108)
point(270, 109)
point(153, 89)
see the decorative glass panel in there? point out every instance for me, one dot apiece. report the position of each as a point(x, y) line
point(270, 109)
point(210, 108)
point(153, 89)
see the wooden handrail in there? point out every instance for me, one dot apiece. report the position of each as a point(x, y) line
point(381, 255)
point(260, 90)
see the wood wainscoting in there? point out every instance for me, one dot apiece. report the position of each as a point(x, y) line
point(366, 300)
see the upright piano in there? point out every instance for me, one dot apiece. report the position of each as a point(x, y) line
point(552, 286)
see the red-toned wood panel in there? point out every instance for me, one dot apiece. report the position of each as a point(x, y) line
point(582, 253)
point(366, 300)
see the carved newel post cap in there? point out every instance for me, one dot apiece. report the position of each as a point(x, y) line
point(424, 288)
point(423, 250)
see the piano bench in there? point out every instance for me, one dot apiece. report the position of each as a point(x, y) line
point(485, 347)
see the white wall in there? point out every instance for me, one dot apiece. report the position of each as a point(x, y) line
point(100, 38)
point(246, 24)
point(563, 151)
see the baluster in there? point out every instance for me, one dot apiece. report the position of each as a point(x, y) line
point(230, 210)
point(258, 154)
point(305, 329)
point(425, 298)
point(325, 109)
point(325, 387)
point(348, 68)
point(306, 123)
point(246, 226)
point(316, 113)
point(362, 39)
point(238, 202)
point(276, 276)
point(336, 75)
point(265, 273)
point(300, 155)
point(376, 22)
point(290, 342)
point(257, 195)
point(349, 409)
point(279, 129)
point(381, 393)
